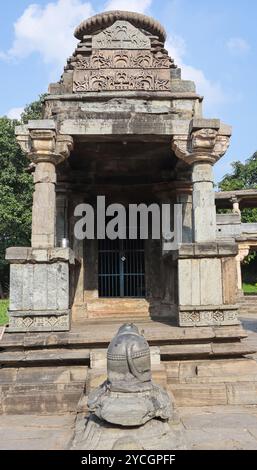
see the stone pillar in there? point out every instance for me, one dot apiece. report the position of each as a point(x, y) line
point(236, 206)
point(242, 254)
point(187, 229)
point(205, 144)
point(204, 210)
point(207, 272)
point(40, 297)
point(44, 206)
point(61, 216)
point(46, 149)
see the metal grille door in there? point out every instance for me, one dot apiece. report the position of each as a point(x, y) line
point(121, 268)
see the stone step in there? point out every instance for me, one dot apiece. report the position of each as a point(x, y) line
point(111, 308)
point(213, 382)
point(248, 299)
point(41, 389)
point(94, 334)
point(45, 356)
point(215, 349)
point(242, 393)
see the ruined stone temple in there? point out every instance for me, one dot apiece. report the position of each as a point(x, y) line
point(122, 123)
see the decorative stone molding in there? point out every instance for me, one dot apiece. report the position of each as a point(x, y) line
point(206, 317)
point(121, 59)
point(107, 19)
point(42, 145)
point(29, 323)
point(111, 80)
point(202, 145)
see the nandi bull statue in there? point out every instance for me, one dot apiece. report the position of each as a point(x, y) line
point(129, 397)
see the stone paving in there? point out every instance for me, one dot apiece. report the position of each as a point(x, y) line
point(34, 432)
point(215, 427)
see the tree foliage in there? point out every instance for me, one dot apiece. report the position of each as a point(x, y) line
point(243, 176)
point(16, 188)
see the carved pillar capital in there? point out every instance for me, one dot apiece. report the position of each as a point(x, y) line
point(201, 145)
point(45, 145)
point(243, 252)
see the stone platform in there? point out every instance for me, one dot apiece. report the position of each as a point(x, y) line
point(203, 428)
point(49, 372)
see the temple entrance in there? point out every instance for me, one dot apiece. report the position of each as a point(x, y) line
point(121, 268)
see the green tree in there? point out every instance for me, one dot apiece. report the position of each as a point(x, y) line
point(243, 176)
point(33, 110)
point(16, 188)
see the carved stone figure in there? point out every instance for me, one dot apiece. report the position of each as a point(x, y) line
point(129, 397)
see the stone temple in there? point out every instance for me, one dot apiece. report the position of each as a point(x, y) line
point(123, 124)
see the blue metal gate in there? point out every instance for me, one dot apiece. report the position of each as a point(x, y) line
point(121, 268)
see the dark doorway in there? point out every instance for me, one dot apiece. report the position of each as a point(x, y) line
point(121, 268)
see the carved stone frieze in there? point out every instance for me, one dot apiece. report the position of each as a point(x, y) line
point(122, 59)
point(121, 35)
point(39, 323)
point(208, 317)
point(93, 80)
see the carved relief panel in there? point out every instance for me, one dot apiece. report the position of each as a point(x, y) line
point(121, 35)
point(122, 59)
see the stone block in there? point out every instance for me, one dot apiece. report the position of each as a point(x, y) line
point(172, 371)
point(182, 86)
point(202, 123)
point(39, 290)
point(229, 280)
point(205, 249)
point(37, 375)
point(98, 359)
point(186, 350)
point(243, 393)
point(155, 356)
point(16, 286)
point(199, 395)
point(211, 284)
point(17, 254)
point(78, 374)
point(40, 287)
point(8, 376)
point(224, 368)
point(233, 349)
point(159, 375)
point(39, 255)
point(43, 403)
point(197, 278)
point(227, 249)
point(41, 124)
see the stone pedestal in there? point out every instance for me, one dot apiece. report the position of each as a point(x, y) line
point(207, 289)
point(154, 435)
point(39, 289)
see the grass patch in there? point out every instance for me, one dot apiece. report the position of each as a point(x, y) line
point(250, 288)
point(3, 311)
